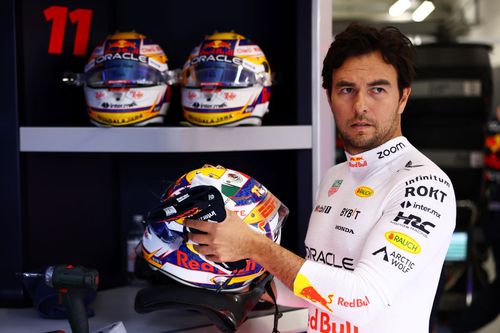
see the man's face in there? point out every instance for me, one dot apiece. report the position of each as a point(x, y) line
point(365, 102)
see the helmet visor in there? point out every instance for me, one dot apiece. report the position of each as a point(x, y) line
point(219, 73)
point(277, 221)
point(123, 73)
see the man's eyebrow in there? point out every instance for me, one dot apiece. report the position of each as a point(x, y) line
point(380, 82)
point(343, 83)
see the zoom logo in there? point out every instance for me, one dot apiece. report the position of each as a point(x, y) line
point(389, 151)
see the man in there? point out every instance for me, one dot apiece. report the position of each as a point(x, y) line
point(382, 221)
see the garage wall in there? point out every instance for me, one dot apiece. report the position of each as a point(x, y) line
point(488, 31)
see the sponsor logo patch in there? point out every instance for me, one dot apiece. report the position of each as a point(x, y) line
point(323, 209)
point(364, 192)
point(357, 162)
point(410, 165)
point(344, 229)
point(424, 191)
point(408, 203)
point(427, 177)
point(335, 187)
point(320, 321)
point(395, 259)
point(403, 241)
point(350, 213)
point(414, 223)
point(353, 303)
point(329, 258)
point(386, 152)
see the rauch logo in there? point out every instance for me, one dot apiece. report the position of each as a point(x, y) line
point(402, 241)
point(364, 192)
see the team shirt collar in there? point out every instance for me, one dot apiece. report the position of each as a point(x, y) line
point(379, 156)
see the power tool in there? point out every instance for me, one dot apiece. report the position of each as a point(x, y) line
point(71, 282)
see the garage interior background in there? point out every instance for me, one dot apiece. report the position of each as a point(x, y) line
point(78, 206)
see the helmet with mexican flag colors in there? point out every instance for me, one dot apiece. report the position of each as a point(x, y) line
point(205, 194)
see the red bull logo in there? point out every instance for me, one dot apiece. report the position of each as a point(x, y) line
point(357, 162)
point(121, 46)
point(322, 322)
point(183, 260)
point(217, 47)
point(354, 303)
point(303, 288)
point(217, 44)
point(314, 296)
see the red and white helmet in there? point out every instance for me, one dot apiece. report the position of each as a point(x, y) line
point(226, 82)
point(127, 81)
point(204, 194)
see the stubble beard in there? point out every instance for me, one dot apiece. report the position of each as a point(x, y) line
point(361, 142)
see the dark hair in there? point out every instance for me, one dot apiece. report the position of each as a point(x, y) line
point(356, 40)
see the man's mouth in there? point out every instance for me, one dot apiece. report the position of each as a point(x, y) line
point(360, 125)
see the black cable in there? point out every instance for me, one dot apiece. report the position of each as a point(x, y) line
point(277, 312)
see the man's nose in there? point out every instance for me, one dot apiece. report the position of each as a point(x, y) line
point(360, 103)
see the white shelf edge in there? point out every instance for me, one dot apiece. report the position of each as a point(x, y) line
point(164, 139)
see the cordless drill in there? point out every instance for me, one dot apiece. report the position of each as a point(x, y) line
point(71, 282)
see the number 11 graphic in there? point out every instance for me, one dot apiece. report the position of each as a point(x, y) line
point(59, 15)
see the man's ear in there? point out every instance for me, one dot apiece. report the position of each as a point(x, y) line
point(404, 99)
point(329, 98)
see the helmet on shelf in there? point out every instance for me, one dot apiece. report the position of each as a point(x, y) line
point(226, 81)
point(127, 81)
point(205, 194)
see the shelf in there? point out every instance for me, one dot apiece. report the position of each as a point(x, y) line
point(164, 139)
point(117, 305)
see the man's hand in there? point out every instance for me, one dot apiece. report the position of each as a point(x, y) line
point(232, 240)
point(229, 240)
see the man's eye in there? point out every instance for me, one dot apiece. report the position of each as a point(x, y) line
point(378, 90)
point(345, 90)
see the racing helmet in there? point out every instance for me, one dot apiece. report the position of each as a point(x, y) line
point(127, 81)
point(205, 194)
point(226, 81)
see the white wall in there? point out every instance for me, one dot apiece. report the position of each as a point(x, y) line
point(488, 30)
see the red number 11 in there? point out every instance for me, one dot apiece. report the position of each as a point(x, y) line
point(59, 15)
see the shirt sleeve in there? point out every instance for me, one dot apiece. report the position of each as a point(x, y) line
point(409, 237)
point(284, 296)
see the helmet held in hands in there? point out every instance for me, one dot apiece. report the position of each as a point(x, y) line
point(205, 194)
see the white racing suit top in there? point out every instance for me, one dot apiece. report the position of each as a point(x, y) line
point(376, 242)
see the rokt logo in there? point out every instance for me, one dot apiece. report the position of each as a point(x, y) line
point(424, 191)
point(364, 192)
point(403, 241)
